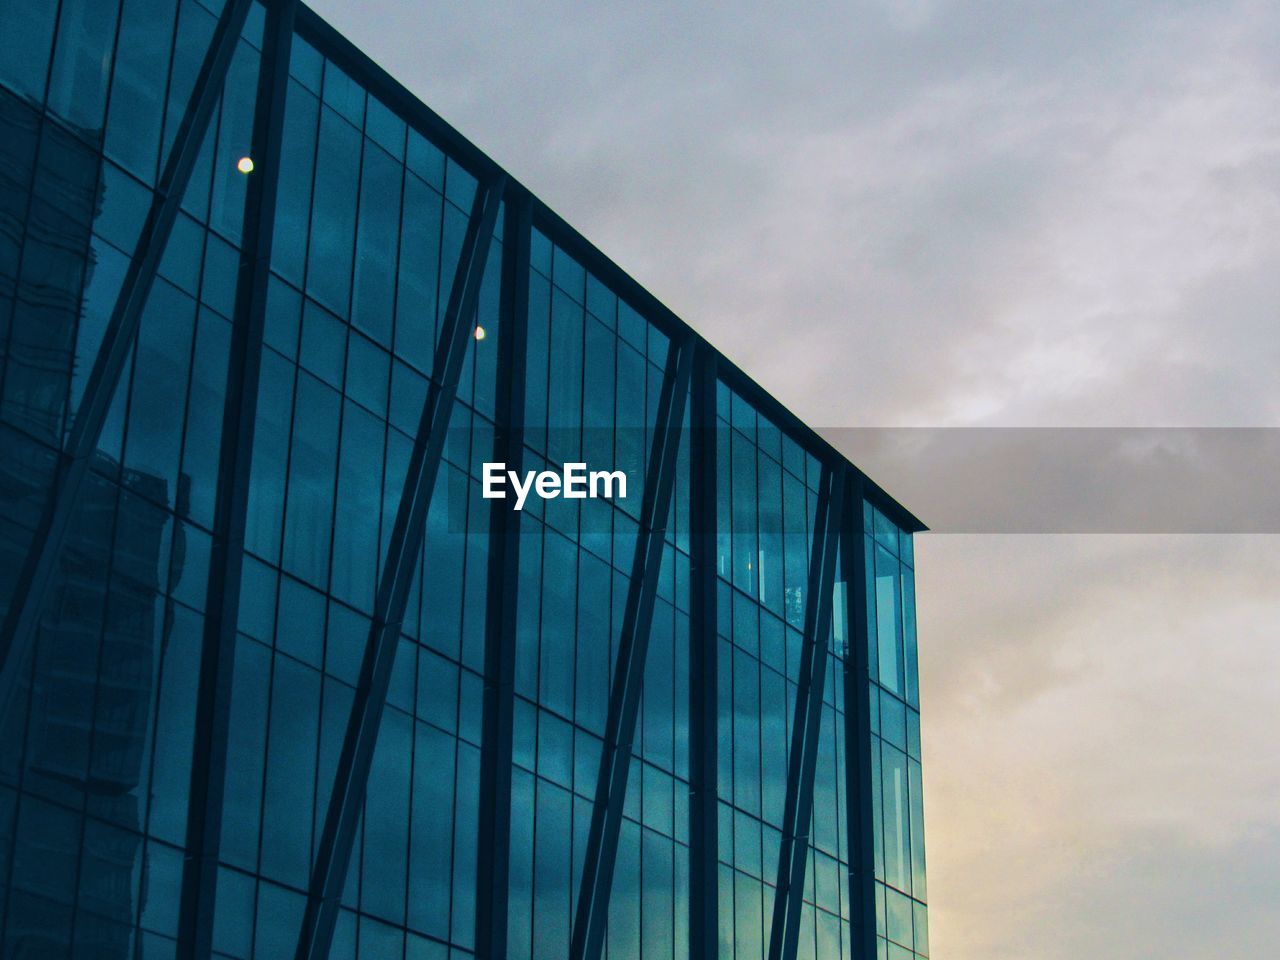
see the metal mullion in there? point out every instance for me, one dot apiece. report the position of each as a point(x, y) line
point(857, 724)
point(213, 703)
point(352, 774)
point(802, 762)
point(494, 856)
point(121, 333)
point(628, 680)
point(704, 899)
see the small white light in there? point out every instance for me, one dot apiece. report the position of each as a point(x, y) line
point(479, 332)
point(245, 165)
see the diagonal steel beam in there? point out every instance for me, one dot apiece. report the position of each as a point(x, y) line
point(784, 935)
point(37, 571)
point(493, 861)
point(633, 648)
point(352, 774)
point(217, 657)
point(704, 897)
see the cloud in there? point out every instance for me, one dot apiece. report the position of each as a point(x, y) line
point(1099, 712)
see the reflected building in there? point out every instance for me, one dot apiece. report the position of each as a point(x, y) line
point(680, 723)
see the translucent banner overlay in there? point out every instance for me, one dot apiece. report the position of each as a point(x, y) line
point(1075, 480)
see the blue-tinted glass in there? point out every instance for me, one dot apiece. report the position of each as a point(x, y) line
point(221, 268)
point(592, 659)
point(898, 918)
point(246, 752)
point(358, 501)
point(466, 840)
point(183, 255)
point(894, 799)
point(368, 374)
point(431, 828)
point(445, 554)
point(376, 240)
point(888, 601)
point(235, 139)
point(82, 61)
point(559, 606)
point(773, 740)
point(323, 347)
point(745, 547)
point(657, 907)
point(631, 326)
point(746, 734)
point(551, 871)
point(293, 203)
point(160, 383)
point(419, 273)
point(747, 918)
point(283, 317)
point(308, 518)
point(233, 913)
point(290, 775)
point(893, 720)
point(426, 160)
point(921, 928)
point(886, 533)
point(24, 56)
point(257, 611)
point(343, 94)
point(300, 629)
point(333, 212)
point(386, 820)
point(919, 887)
point(124, 208)
point(346, 637)
point(306, 64)
point(568, 275)
point(460, 186)
point(279, 920)
point(204, 416)
point(602, 303)
point(174, 725)
point(659, 690)
point(264, 519)
point(191, 41)
point(624, 905)
point(386, 128)
point(911, 665)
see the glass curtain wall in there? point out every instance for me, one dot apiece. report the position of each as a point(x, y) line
point(766, 506)
point(96, 732)
point(594, 373)
point(897, 802)
point(369, 227)
point(96, 736)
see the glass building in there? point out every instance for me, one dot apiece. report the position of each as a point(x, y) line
point(276, 679)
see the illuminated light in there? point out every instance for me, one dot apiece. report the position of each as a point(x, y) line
point(479, 332)
point(245, 165)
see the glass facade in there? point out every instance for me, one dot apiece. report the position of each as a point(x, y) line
point(481, 791)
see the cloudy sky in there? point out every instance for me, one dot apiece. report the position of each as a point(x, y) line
point(928, 213)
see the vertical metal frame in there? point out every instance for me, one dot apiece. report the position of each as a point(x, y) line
point(806, 726)
point(217, 657)
point(493, 862)
point(633, 647)
point(704, 896)
point(857, 729)
point(108, 366)
point(352, 774)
